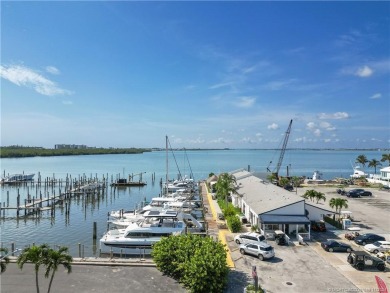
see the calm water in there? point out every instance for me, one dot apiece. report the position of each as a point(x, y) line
point(77, 228)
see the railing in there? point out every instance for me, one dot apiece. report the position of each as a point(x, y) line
point(288, 241)
point(303, 237)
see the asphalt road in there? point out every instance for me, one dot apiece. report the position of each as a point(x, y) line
point(88, 278)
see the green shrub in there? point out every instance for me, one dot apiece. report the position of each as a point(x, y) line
point(234, 223)
point(334, 223)
point(197, 262)
point(229, 211)
point(251, 288)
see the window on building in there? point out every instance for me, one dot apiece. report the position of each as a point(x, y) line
point(272, 227)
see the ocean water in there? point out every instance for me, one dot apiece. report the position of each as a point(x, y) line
point(77, 227)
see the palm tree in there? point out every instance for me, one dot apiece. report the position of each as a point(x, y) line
point(338, 204)
point(226, 185)
point(374, 163)
point(362, 159)
point(36, 255)
point(319, 196)
point(272, 178)
point(309, 194)
point(56, 258)
point(296, 182)
point(4, 259)
point(283, 181)
point(385, 157)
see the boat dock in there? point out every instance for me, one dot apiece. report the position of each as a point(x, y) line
point(33, 205)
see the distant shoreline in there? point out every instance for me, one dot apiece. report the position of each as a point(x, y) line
point(24, 152)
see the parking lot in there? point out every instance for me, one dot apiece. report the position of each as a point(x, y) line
point(371, 214)
point(309, 268)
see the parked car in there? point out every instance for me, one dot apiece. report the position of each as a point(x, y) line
point(353, 193)
point(262, 250)
point(378, 246)
point(365, 193)
point(333, 245)
point(249, 237)
point(384, 255)
point(368, 238)
point(361, 260)
point(358, 193)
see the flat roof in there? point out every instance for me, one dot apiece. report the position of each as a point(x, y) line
point(284, 219)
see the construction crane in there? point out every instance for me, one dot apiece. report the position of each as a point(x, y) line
point(283, 150)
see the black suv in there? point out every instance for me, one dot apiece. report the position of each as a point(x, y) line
point(368, 238)
point(361, 260)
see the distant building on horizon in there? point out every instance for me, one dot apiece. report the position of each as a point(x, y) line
point(70, 146)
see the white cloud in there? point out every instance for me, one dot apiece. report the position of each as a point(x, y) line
point(247, 140)
point(245, 102)
point(317, 132)
point(220, 85)
point(52, 70)
point(219, 140)
point(324, 124)
point(337, 115)
point(273, 126)
point(327, 126)
point(304, 139)
point(376, 96)
point(249, 69)
point(364, 71)
point(311, 125)
point(327, 140)
point(67, 102)
point(258, 134)
point(23, 76)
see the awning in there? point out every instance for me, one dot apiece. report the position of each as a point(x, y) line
point(284, 219)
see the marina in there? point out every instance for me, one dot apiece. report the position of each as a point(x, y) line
point(81, 220)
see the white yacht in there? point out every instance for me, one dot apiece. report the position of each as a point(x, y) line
point(16, 178)
point(358, 173)
point(177, 185)
point(169, 203)
point(140, 236)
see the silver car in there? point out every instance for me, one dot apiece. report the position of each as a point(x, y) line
point(262, 250)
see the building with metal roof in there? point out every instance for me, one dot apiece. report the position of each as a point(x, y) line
point(271, 207)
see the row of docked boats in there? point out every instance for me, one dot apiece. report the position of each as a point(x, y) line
point(136, 231)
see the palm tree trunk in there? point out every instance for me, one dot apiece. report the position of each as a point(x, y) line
point(51, 281)
point(36, 280)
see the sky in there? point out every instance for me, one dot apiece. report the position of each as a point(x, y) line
point(206, 74)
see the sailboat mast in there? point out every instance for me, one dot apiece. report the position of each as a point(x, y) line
point(166, 158)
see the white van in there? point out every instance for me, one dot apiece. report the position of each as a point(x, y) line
point(249, 237)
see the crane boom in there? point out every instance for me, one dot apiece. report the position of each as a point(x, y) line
point(283, 150)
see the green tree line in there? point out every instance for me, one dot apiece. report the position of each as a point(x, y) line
point(22, 152)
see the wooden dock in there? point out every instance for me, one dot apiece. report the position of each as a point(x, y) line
point(34, 205)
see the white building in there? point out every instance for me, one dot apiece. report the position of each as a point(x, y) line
point(274, 208)
point(383, 177)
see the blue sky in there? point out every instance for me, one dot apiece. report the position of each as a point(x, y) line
point(207, 74)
